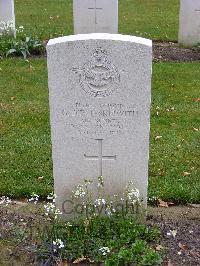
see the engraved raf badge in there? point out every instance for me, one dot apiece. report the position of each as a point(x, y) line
point(98, 77)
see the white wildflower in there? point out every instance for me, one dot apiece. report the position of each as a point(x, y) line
point(52, 197)
point(68, 224)
point(34, 198)
point(113, 209)
point(7, 27)
point(88, 181)
point(79, 192)
point(5, 200)
point(50, 208)
point(99, 202)
point(100, 181)
point(104, 251)
point(103, 201)
point(133, 193)
point(108, 211)
point(172, 233)
point(57, 212)
point(58, 244)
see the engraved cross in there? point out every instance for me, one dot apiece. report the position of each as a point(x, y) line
point(95, 8)
point(100, 157)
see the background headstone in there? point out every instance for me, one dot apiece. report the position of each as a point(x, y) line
point(189, 22)
point(92, 16)
point(100, 90)
point(7, 15)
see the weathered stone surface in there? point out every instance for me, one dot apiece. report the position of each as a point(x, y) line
point(100, 90)
point(92, 16)
point(7, 15)
point(189, 22)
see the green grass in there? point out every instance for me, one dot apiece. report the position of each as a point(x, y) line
point(26, 149)
point(153, 19)
point(178, 151)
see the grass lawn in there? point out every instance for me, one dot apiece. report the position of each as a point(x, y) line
point(26, 149)
point(155, 19)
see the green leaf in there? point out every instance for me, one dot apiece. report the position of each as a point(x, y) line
point(11, 51)
point(24, 53)
point(27, 39)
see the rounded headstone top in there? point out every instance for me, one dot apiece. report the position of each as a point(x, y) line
point(100, 36)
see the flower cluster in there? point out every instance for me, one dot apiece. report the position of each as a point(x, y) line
point(6, 27)
point(50, 209)
point(79, 192)
point(20, 29)
point(104, 250)
point(153, 200)
point(109, 210)
point(92, 205)
point(132, 193)
point(58, 244)
point(5, 200)
point(100, 181)
point(34, 198)
point(88, 181)
point(52, 197)
point(99, 202)
point(68, 224)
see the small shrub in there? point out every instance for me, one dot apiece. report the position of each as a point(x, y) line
point(113, 238)
point(22, 45)
point(100, 239)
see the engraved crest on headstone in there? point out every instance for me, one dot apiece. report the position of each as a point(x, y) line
point(98, 77)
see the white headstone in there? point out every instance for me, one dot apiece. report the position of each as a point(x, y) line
point(189, 22)
point(100, 16)
point(100, 91)
point(7, 16)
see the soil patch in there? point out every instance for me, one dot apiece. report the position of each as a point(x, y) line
point(180, 228)
point(171, 51)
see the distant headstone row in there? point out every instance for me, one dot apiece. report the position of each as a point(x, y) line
point(7, 16)
point(101, 16)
